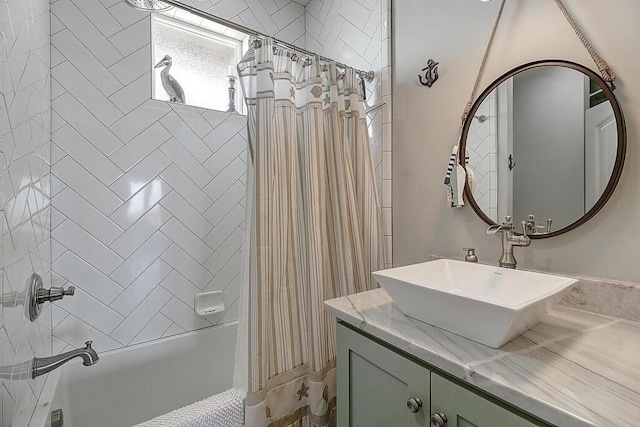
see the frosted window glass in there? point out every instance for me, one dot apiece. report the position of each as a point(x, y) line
point(200, 64)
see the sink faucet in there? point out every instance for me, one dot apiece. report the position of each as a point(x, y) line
point(509, 240)
point(44, 365)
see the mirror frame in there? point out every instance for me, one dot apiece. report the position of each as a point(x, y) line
point(620, 155)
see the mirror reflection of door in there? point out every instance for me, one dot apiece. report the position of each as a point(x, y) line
point(546, 147)
point(601, 139)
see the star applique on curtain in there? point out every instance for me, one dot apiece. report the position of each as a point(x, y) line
point(303, 391)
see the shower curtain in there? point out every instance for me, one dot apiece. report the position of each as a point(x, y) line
point(314, 227)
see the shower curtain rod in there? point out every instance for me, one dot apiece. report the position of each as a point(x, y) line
point(366, 75)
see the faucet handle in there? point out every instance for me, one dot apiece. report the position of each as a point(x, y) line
point(54, 294)
point(507, 220)
point(88, 344)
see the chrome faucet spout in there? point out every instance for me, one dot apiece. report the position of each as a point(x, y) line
point(44, 365)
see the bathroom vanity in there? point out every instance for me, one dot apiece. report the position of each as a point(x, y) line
point(574, 369)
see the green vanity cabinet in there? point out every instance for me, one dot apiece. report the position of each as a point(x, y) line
point(379, 387)
point(466, 408)
point(374, 384)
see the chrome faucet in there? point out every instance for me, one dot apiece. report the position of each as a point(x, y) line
point(41, 366)
point(509, 240)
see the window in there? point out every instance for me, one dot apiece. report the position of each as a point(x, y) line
point(202, 60)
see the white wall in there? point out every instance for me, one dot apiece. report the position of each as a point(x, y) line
point(25, 118)
point(427, 121)
point(147, 196)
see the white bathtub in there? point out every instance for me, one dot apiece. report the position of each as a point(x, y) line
point(132, 385)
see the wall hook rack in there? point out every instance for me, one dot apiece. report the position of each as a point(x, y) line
point(430, 73)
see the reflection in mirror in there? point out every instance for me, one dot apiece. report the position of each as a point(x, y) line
point(542, 146)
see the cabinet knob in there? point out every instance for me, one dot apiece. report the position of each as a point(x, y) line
point(438, 420)
point(414, 404)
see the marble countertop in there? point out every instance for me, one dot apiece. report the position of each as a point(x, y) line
point(575, 368)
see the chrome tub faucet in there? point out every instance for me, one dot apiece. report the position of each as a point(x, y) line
point(43, 365)
point(509, 240)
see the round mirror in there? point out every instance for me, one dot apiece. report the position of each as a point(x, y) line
point(544, 143)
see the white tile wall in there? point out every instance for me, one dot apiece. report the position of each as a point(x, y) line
point(147, 196)
point(25, 125)
point(482, 147)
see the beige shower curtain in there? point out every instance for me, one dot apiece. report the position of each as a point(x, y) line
point(314, 224)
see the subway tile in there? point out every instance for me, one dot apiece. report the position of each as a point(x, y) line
point(174, 329)
point(180, 182)
point(153, 330)
point(140, 231)
point(133, 66)
point(225, 251)
point(86, 185)
point(184, 315)
point(189, 242)
point(227, 274)
point(187, 215)
point(133, 37)
point(187, 266)
point(85, 153)
point(87, 247)
point(225, 155)
point(140, 147)
point(99, 16)
point(86, 124)
point(180, 287)
point(143, 314)
point(233, 172)
point(82, 275)
point(82, 28)
point(125, 14)
point(193, 119)
point(91, 311)
point(141, 259)
point(234, 195)
point(225, 227)
point(140, 175)
point(139, 119)
point(133, 95)
point(128, 300)
point(187, 137)
point(137, 206)
point(86, 216)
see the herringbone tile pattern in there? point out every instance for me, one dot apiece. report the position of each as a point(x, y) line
point(25, 119)
point(147, 196)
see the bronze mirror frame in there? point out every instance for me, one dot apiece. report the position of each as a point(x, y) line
point(620, 155)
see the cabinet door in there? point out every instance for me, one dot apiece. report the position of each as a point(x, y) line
point(375, 383)
point(465, 408)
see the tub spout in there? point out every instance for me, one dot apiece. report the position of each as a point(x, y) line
point(45, 365)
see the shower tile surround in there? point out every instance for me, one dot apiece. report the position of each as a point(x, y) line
point(147, 196)
point(482, 150)
point(25, 118)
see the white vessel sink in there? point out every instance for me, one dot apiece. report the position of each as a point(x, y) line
point(490, 305)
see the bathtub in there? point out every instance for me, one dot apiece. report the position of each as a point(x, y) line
point(132, 385)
